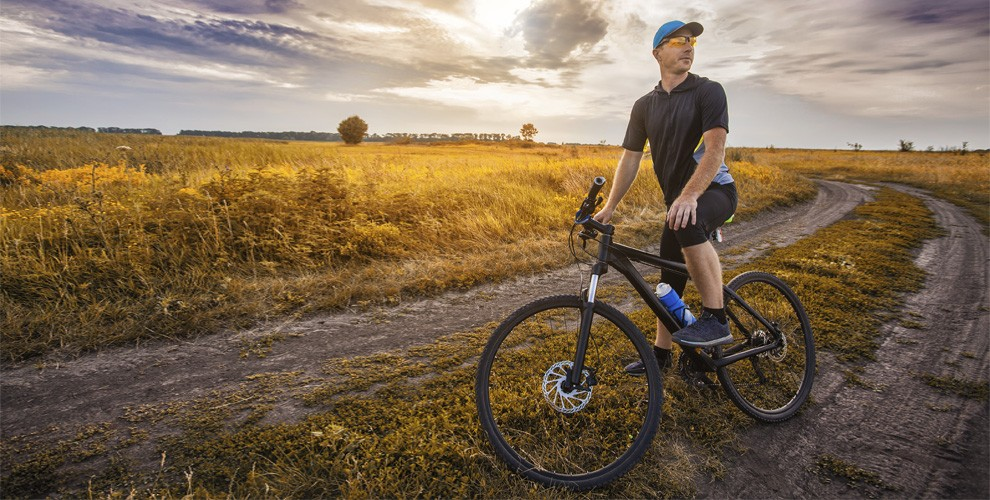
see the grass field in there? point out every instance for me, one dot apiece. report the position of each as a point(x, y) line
point(963, 179)
point(222, 232)
point(191, 246)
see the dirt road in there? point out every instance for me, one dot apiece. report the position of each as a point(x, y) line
point(904, 438)
point(98, 387)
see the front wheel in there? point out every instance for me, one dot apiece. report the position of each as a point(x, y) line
point(580, 436)
point(772, 385)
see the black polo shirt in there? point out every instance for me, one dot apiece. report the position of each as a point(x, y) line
point(674, 124)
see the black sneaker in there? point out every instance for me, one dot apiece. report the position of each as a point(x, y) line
point(664, 359)
point(705, 332)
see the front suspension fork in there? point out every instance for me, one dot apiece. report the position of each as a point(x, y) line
point(588, 314)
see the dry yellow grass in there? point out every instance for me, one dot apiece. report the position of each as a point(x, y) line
point(103, 252)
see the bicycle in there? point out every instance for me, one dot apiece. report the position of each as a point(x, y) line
point(550, 388)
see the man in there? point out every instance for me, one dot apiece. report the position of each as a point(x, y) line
point(685, 119)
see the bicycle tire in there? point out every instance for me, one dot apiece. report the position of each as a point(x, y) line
point(771, 386)
point(581, 449)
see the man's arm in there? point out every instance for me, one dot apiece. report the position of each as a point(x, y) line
point(625, 174)
point(683, 210)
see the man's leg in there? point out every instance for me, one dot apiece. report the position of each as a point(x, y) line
point(706, 272)
point(714, 207)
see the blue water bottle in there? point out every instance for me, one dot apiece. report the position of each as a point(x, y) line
point(674, 304)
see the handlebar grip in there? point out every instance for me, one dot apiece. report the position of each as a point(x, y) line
point(592, 201)
point(596, 186)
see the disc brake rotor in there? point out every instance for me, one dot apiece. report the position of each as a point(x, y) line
point(565, 401)
point(761, 338)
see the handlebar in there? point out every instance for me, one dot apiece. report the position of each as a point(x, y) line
point(591, 202)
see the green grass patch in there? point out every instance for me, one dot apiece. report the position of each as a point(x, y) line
point(828, 466)
point(911, 324)
point(970, 389)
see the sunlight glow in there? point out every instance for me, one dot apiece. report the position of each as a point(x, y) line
point(498, 16)
point(505, 99)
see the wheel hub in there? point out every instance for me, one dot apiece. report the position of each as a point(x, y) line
point(777, 354)
point(562, 396)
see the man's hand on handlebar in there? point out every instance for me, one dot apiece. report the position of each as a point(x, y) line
point(604, 215)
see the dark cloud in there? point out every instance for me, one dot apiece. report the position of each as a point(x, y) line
point(249, 7)
point(219, 39)
point(553, 29)
point(969, 15)
point(911, 66)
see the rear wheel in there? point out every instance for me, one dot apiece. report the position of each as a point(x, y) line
point(770, 386)
point(579, 437)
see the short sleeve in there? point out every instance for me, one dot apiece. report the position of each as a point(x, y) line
point(714, 107)
point(635, 139)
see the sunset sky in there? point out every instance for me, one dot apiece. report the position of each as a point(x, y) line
point(797, 73)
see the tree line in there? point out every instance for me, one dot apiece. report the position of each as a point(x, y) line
point(288, 136)
point(335, 137)
point(102, 130)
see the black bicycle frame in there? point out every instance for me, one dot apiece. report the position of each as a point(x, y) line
point(621, 257)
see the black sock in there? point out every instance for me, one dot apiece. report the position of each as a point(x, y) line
point(663, 357)
point(718, 313)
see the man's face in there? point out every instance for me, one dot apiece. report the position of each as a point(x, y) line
point(676, 54)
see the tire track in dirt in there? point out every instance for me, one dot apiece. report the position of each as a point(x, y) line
point(920, 442)
point(97, 387)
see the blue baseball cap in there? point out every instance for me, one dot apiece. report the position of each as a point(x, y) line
point(673, 26)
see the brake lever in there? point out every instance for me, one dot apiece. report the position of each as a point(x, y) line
point(588, 234)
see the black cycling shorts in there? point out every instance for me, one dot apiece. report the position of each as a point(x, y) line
point(715, 206)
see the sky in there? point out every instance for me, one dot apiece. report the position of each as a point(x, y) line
point(798, 73)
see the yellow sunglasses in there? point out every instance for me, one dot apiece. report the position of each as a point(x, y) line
point(680, 41)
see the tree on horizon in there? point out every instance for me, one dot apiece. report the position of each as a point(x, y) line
point(528, 131)
point(352, 129)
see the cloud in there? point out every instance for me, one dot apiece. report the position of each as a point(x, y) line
point(554, 29)
point(249, 7)
point(880, 58)
point(284, 43)
point(189, 33)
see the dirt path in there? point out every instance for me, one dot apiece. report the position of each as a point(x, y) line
point(912, 440)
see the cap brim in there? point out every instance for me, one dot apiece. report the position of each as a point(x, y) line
point(664, 32)
point(695, 28)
